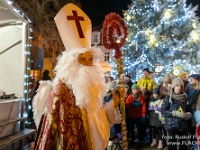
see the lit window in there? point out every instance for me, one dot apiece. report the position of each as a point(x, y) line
point(96, 37)
point(95, 40)
point(107, 56)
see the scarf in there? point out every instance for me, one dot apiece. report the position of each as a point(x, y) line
point(181, 97)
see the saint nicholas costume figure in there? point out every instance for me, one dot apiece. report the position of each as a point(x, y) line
point(69, 111)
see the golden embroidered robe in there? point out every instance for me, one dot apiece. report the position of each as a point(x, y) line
point(62, 125)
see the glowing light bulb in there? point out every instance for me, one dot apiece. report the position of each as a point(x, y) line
point(195, 36)
point(194, 25)
point(128, 18)
point(167, 14)
point(118, 41)
point(176, 72)
point(148, 32)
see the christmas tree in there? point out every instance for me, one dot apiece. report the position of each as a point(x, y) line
point(163, 35)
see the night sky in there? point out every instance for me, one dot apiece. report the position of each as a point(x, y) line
point(98, 9)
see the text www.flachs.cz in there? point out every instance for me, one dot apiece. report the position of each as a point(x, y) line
point(182, 143)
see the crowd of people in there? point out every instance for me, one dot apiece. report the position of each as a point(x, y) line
point(169, 110)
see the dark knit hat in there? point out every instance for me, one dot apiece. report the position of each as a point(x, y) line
point(155, 91)
point(146, 69)
point(196, 76)
point(128, 75)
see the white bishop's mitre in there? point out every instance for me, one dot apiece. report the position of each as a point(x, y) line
point(74, 27)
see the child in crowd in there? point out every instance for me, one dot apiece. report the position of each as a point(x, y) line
point(176, 111)
point(165, 86)
point(127, 91)
point(116, 128)
point(155, 118)
point(136, 113)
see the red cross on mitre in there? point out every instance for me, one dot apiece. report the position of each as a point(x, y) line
point(77, 20)
point(74, 27)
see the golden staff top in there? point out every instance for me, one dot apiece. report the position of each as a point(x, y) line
point(114, 34)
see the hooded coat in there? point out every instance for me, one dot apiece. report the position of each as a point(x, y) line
point(174, 102)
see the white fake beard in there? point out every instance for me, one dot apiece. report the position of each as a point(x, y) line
point(88, 86)
point(86, 82)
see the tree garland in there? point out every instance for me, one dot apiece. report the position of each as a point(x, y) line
point(114, 34)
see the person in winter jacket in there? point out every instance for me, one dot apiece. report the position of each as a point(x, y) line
point(155, 118)
point(165, 85)
point(45, 77)
point(146, 85)
point(197, 121)
point(116, 128)
point(184, 78)
point(127, 91)
point(193, 92)
point(175, 109)
point(193, 87)
point(136, 113)
point(197, 112)
point(127, 80)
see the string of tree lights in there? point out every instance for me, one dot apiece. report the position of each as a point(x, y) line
point(27, 54)
point(163, 35)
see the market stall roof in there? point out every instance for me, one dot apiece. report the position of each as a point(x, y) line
point(9, 14)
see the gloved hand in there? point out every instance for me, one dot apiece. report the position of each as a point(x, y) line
point(176, 113)
point(188, 115)
point(143, 119)
point(136, 104)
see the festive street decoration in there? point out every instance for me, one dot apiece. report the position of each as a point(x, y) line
point(114, 34)
point(164, 32)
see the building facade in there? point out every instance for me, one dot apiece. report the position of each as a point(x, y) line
point(105, 59)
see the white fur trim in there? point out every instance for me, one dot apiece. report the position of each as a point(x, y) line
point(40, 99)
